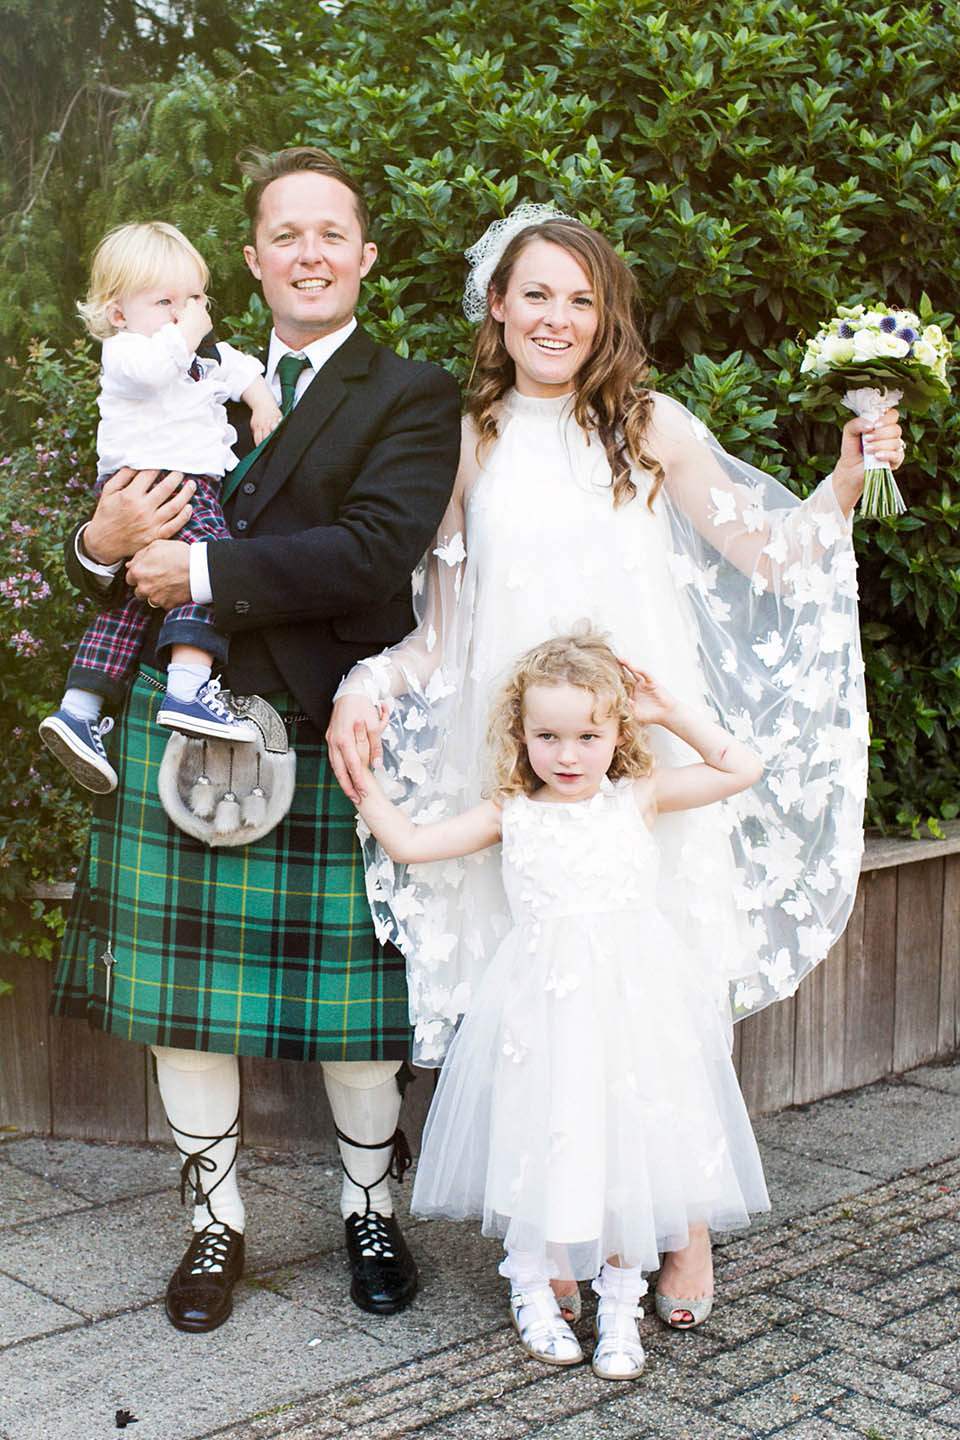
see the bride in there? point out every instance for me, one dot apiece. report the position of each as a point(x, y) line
point(583, 495)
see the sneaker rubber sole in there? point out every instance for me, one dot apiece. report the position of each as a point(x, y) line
point(93, 774)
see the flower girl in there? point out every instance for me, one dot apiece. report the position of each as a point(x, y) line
point(588, 1108)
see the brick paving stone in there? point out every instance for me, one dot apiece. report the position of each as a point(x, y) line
point(777, 1353)
point(940, 1364)
point(797, 1396)
point(839, 1333)
point(816, 1429)
point(860, 1307)
point(886, 1421)
point(929, 1325)
point(732, 1324)
point(918, 1286)
point(893, 1386)
point(657, 1418)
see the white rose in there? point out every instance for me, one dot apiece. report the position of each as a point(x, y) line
point(838, 349)
point(872, 345)
point(924, 353)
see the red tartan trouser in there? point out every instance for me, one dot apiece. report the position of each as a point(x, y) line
point(106, 658)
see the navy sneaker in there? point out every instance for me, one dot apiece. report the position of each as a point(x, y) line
point(206, 716)
point(79, 748)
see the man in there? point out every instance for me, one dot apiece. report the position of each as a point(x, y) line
point(268, 949)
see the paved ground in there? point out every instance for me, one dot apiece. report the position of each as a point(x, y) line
point(839, 1315)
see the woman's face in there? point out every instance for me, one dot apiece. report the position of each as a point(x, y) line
point(549, 319)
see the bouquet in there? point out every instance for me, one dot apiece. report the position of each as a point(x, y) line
point(869, 359)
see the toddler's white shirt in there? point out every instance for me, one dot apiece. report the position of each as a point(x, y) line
point(155, 416)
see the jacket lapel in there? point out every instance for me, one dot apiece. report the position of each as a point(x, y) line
point(316, 409)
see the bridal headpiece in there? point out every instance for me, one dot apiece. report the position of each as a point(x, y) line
point(485, 254)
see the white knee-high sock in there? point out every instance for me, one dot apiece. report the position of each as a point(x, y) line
point(365, 1101)
point(201, 1095)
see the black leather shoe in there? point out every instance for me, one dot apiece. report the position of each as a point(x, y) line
point(200, 1293)
point(384, 1273)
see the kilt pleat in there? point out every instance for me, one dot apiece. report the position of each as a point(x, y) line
point(265, 949)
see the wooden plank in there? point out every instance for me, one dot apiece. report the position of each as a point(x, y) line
point(881, 852)
point(24, 1046)
point(948, 1032)
point(821, 1029)
point(97, 1085)
point(919, 934)
point(285, 1105)
point(766, 1057)
point(871, 964)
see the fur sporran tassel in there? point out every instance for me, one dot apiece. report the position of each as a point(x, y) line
point(253, 807)
point(202, 795)
point(227, 817)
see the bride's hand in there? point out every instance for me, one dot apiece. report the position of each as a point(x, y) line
point(884, 440)
point(353, 742)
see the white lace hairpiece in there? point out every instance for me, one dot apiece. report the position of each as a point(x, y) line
point(485, 254)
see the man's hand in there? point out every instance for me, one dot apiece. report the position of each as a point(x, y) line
point(134, 508)
point(353, 742)
point(160, 574)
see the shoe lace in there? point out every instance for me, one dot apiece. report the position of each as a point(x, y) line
point(374, 1237)
point(101, 727)
point(213, 1245)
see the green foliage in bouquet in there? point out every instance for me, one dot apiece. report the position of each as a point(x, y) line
point(756, 163)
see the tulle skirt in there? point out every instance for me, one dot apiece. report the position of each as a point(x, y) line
point(588, 1105)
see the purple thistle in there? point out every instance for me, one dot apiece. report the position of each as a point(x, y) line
point(889, 324)
point(907, 333)
point(845, 331)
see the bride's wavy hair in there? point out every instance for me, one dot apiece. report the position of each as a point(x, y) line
point(584, 660)
point(611, 397)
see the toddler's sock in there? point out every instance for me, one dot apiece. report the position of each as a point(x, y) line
point(183, 681)
point(82, 704)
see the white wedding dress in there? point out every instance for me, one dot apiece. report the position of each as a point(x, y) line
point(733, 593)
point(588, 1101)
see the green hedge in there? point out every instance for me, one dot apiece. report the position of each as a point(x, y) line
point(756, 163)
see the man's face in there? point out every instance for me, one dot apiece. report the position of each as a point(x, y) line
point(308, 255)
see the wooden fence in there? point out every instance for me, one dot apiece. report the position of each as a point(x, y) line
point(886, 998)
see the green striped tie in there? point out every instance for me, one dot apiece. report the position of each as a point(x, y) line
point(289, 368)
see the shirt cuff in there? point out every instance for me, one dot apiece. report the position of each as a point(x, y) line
point(200, 591)
point(106, 572)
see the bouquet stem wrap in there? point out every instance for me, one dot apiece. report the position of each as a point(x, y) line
point(881, 494)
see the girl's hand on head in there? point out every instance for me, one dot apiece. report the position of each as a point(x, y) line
point(884, 440)
point(652, 702)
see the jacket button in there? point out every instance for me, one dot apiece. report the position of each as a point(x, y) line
point(241, 607)
point(249, 488)
point(241, 525)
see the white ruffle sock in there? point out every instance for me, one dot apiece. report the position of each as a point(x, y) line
point(543, 1332)
point(201, 1096)
point(619, 1353)
point(365, 1101)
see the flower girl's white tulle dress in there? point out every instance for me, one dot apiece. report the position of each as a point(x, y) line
point(588, 1103)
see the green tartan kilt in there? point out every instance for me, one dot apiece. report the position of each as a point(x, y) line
point(264, 949)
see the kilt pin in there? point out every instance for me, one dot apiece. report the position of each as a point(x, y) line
point(268, 949)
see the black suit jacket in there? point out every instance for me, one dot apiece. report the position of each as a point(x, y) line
point(330, 521)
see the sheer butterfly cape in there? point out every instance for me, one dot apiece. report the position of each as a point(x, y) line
point(736, 594)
